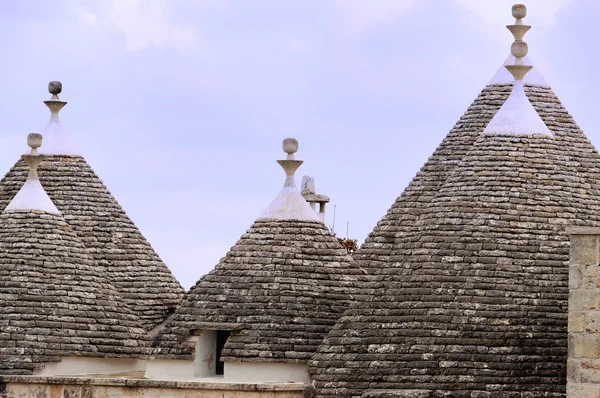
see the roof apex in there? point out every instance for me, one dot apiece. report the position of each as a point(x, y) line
point(517, 116)
point(32, 195)
point(503, 76)
point(57, 140)
point(289, 204)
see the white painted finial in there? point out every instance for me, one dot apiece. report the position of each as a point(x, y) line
point(34, 140)
point(290, 164)
point(517, 116)
point(289, 204)
point(54, 103)
point(519, 48)
point(56, 139)
point(33, 158)
point(32, 195)
point(508, 72)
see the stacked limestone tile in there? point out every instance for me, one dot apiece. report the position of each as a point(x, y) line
point(471, 261)
point(111, 238)
point(281, 287)
point(55, 302)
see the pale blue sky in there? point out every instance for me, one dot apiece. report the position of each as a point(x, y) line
point(181, 106)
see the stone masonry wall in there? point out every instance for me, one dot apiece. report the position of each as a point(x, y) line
point(55, 387)
point(583, 366)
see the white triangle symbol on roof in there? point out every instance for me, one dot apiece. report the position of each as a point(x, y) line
point(56, 140)
point(32, 196)
point(503, 76)
point(517, 116)
point(290, 205)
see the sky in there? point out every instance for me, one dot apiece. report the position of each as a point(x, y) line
point(180, 106)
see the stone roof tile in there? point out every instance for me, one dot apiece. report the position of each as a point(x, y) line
point(282, 286)
point(54, 301)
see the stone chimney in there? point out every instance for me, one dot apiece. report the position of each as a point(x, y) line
point(309, 193)
point(583, 365)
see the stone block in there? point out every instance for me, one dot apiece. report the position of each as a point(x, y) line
point(592, 321)
point(590, 277)
point(584, 250)
point(582, 345)
point(590, 376)
point(56, 391)
point(576, 322)
point(584, 300)
point(573, 370)
point(589, 371)
point(590, 363)
point(575, 276)
point(581, 390)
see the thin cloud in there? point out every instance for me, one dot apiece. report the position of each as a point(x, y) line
point(360, 15)
point(301, 46)
point(497, 12)
point(143, 24)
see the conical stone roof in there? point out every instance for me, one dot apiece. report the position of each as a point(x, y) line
point(112, 239)
point(280, 288)
point(470, 266)
point(55, 302)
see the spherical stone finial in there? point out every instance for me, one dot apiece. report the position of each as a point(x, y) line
point(519, 49)
point(519, 11)
point(290, 146)
point(34, 140)
point(55, 87)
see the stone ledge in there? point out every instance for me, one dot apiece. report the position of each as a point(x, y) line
point(582, 230)
point(146, 383)
point(397, 394)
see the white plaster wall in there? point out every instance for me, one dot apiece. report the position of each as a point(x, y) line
point(71, 366)
point(203, 366)
point(252, 372)
point(169, 369)
point(206, 350)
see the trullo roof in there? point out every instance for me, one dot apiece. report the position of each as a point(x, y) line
point(111, 238)
point(280, 288)
point(470, 265)
point(55, 302)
